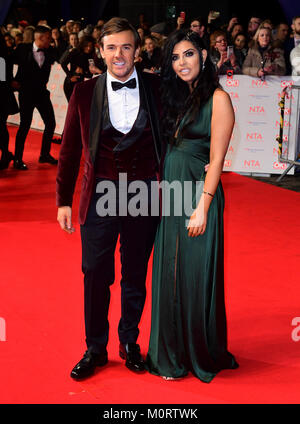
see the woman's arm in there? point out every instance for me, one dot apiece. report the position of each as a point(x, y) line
point(222, 123)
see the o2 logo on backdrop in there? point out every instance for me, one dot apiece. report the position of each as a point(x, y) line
point(296, 330)
point(232, 83)
point(284, 84)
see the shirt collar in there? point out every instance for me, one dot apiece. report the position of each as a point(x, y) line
point(35, 47)
point(110, 78)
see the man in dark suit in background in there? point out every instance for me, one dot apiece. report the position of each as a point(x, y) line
point(114, 118)
point(34, 65)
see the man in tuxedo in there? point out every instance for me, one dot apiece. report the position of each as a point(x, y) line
point(114, 118)
point(34, 65)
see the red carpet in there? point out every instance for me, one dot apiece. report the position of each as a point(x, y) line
point(41, 300)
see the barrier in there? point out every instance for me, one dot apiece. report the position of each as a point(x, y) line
point(253, 147)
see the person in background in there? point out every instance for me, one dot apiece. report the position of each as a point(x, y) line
point(233, 21)
point(253, 25)
point(76, 27)
point(284, 42)
point(96, 35)
point(69, 26)
point(263, 59)
point(236, 29)
point(58, 42)
point(219, 55)
point(76, 65)
point(8, 104)
point(9, 26)
point(43, 22)
point(158, 31)
point(19, 38)
point(267, 23)
point(151, 55)
point(28, 34)
point(292, 41)
point(34, 65)
point(141, 33)
point(198, 25)
point(14, 32)
point(9, 41)
point(281, 35)
point(22, 25)
point(240, 48)
point(295, 60)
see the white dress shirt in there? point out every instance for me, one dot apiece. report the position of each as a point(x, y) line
point(123, 104)
point(38, 56)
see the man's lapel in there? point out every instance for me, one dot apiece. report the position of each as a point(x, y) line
point(96, 115)
point(152, 113)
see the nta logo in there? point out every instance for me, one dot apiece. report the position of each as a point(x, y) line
point(256, 109)
point(254, 137)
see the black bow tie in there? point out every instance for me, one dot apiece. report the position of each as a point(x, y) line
point(115, 85)
point(41, 50)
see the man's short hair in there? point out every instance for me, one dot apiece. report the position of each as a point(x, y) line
point(42, 29)
point(200, 19)
point(295, 18)
point(116, 25)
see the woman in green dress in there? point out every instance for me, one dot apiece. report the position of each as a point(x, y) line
point(188, 328)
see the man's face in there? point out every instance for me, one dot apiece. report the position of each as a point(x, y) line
point(43, 40)
point(282, 32)
point(253, 25)
point(296, 27)
point(119, 53)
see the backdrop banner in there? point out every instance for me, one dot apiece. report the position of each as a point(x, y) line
point(253, 146)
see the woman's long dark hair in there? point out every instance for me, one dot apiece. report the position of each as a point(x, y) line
point(176, 96)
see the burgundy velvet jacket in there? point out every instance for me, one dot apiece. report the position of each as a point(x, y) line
point(82, 131)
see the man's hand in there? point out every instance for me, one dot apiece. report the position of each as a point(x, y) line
point(64, 217)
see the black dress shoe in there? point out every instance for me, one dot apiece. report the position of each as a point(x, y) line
point(6, 159)
point(19, 164)
point(48, 159)
point(132, 354)
point(86, 366)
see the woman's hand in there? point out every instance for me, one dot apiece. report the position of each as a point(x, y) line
point(223, 59)
point(198, 220)
point(75, 78)
point(261, 73)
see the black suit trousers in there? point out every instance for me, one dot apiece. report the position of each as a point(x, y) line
point(28, 101)
point(99, 237)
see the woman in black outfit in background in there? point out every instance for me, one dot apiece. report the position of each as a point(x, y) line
point(78, 60)
point(8, 103)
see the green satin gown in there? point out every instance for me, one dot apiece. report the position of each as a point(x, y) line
point(188, 324)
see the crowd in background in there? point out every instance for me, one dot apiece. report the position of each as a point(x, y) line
point(258, 49)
